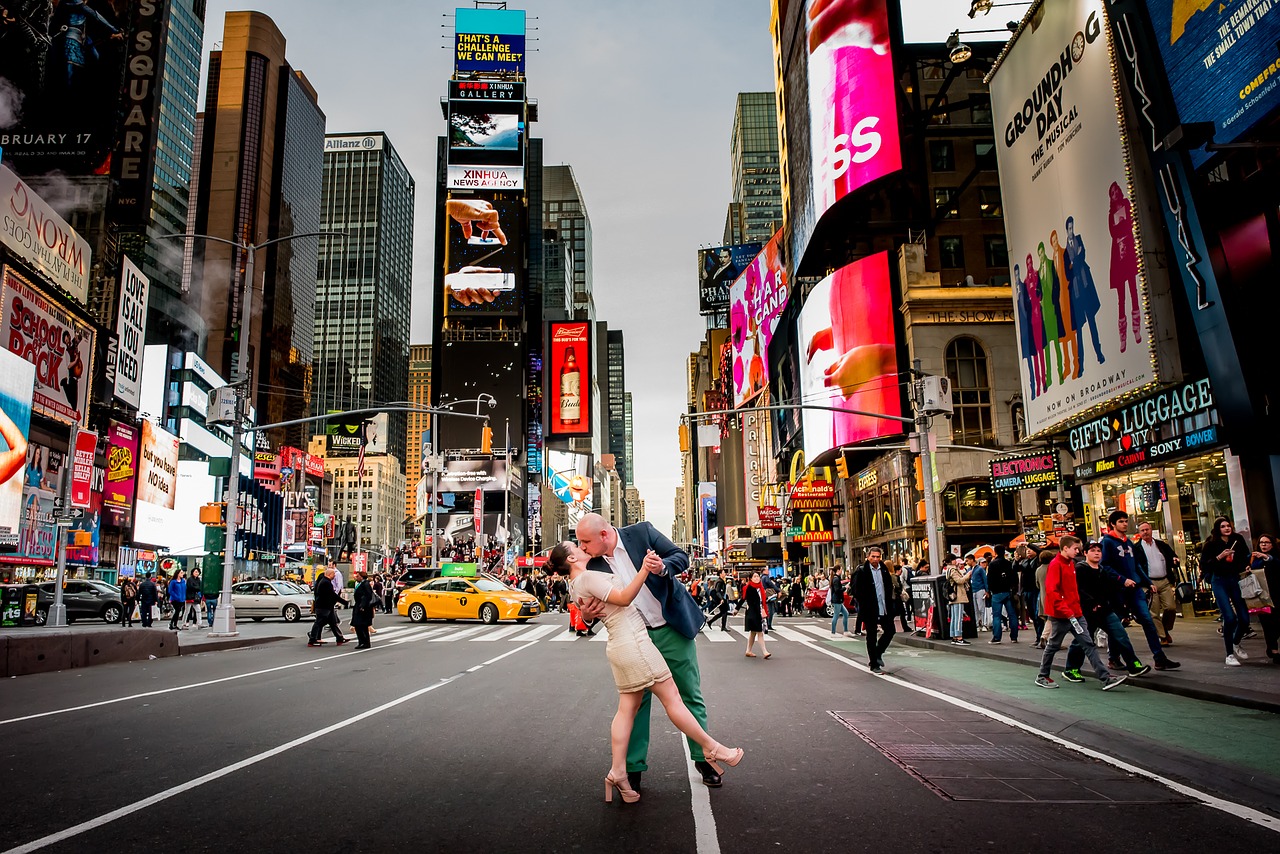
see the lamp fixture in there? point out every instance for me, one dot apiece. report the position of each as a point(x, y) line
point(958, 51)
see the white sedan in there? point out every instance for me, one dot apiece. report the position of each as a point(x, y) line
point(258, 600)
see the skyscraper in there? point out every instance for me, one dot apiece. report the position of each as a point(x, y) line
point(260, 179)
point(419, 423)
point(364, 284)
point(753, 151)
point(617, 407)
point(565, 211)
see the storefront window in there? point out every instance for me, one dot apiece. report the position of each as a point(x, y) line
point(973, 503)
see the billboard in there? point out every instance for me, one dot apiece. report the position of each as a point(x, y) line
point(157, 467)
point(37, 235)
point(131, 329)
point(484, 254)
point(489, 41)
point(849, 357)
point(568, 380)
point(756, 301)
point(82, 470)
point(1221, 60)
point(121, 476)
point(569, 476)
point(51, 338)
point(17, 382)
point(344, 441)
point(469, 369)
point(464, 475)
point(487, 135)
point(1083, 327)
point(718, 267)
point(37, 532)
point(89, 523)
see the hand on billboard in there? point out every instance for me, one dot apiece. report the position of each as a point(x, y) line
point(12, 460)
point(858, 367)
point(821, 340)
point(478, 211)
point(859, 23)
point(473, 296)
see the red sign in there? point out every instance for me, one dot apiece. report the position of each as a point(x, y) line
point(770, 516)
point(360, 562)
point(816, 489)
point(282, 561)
point(82, 469)
point(478, 512)
point(568, 380)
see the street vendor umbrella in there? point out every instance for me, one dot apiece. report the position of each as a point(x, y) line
point(982, 551)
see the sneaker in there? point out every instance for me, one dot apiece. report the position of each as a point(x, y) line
point(848, 634)
point(314, 643)
point(1046, 682)
point(1168, 664)
point(1072, 675)
point(1249, 635)
point(1241, 654)
point(960, 642)
point(1139, 669)
point(1115, 680)
point(1232, 661)
point(994, 640)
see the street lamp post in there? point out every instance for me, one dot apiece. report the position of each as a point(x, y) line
point(224, 617)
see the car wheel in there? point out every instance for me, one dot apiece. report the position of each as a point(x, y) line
point(42, 616)
point(488, 613)
point(292, 613)
point(828, 611)
point(417, 613)
point(111, 614)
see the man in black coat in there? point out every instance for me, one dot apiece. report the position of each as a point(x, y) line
point(326, 599)
point(873, 588)
point(362, 609)
point(1002, 584)
point(148, 595)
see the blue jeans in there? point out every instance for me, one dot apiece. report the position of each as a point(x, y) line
point(1136, 599)
point(957, 619)
point(1031, 601)
point(1076, 626)
point(1119, 647)
point(1002, 605)
point(210, 605)
point(1235, 616)
point(837, 610)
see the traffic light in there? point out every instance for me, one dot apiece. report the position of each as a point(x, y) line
point(842, 467)
point(486, 440)
point(684, 438)
point(214, 514)
point(919, 474)
point(922, 514)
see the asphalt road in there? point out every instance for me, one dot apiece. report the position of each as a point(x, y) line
point(456, 736)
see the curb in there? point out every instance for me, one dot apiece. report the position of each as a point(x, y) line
point(229, 643)
point(1167, 684)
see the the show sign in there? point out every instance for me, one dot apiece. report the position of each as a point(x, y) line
point(37, 532)
point(756, 300)
point(82, 468)
point(121, 476)
point(133, 163)
point(1075, 248)
point(49, 337)
point(755, 453)
point(489, 41)
point(131, 328)
point(37, 235)
point(718, 268)
point(1222, 61)
point(568, 381)
point(1025, 471)
point(17, 382)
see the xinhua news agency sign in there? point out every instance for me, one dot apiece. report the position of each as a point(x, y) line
point(1025, 471)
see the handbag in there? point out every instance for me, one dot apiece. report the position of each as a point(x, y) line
point(1249, 587)
point(1185, 592)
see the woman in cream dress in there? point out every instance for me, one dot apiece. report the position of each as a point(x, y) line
point(637, 665)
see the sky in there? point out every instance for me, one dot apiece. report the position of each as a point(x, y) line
point(637, 97)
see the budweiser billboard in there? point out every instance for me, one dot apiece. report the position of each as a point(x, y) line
point(568, 380)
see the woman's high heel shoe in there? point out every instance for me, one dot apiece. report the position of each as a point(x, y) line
point(729, 755)
point(629, 795)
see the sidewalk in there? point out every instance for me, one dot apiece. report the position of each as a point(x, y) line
point(1197, 646)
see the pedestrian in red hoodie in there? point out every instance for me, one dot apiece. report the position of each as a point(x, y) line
point(1062, 607)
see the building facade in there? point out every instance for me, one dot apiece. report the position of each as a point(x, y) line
point(374, 502)
point(756, 211)
point(565, 210)
point(418, 439)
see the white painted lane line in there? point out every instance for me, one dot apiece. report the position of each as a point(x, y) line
point(786, 634)
point(704, 820)
point(566, 634)
point(535, 633)
point(417, 635)
point(717, 636)
point(1213, 802)
point(497, 634)
point(159, 797)
point(459, 635)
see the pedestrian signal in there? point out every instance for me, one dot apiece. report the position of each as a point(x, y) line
point(919, 474)
point(842, 467)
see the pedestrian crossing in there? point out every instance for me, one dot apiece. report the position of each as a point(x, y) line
point(557, 632)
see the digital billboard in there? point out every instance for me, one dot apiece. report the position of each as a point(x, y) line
point(37, 531)
point(469, 369)
point(55, 341)
point(39, 236)
point(465, 475)
point(131, 328)
point(1222, 61)
point(487, 135)
point(344, 441)
point(17, 382)
point(90, 522)
point(1084, 331)
point(484, 254)
point(849, 357)
point(717, 269)
point(756, 301)
point(568, 380)
point(156, 485)
point(122, 473)
point(489, 41)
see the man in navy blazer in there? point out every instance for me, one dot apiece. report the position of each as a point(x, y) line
point(670, 613)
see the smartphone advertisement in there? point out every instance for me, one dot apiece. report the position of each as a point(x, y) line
point(484, 257)
point(849, 357)
point(568, 380)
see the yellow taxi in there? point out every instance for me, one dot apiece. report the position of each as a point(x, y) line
point(477, 597)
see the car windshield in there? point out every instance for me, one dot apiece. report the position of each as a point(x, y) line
point(489, 585)
point(293, 587)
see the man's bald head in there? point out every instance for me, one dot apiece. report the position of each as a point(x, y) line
point(596, 536)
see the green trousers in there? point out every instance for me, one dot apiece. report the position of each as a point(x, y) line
point(682, 657)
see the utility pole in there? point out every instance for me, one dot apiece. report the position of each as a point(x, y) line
point(62, 526)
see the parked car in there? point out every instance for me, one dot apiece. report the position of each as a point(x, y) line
point(83, 600)
point(258, 600)
point(412, 577)
point(815, 599)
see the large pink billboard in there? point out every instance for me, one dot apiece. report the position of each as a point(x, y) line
point(756, 301)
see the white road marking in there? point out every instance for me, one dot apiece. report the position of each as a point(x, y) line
point(704, 820)
point(566, 635)
point(717, 636)
point(786, 634)
point(602, 632)
point(535, 633)
point(458, 635)
point(497, 634)
point(417, 635)
point(1213, 802)
point(159, 797)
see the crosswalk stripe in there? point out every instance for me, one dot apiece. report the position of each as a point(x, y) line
point(787, 634)
point(497, 634)
point(717, 636)
point(450, 638)
point(602, 633)
point(393, 630)
point(820, 631)
point(416, 635)
point(535, 633)
point(566, 635)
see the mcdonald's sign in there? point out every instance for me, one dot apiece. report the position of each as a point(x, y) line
point(814, 526)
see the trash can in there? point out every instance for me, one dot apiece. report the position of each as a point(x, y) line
point(30, 600)
point(927, 617)
point(11, 606)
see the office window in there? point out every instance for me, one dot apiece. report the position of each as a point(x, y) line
point(980, 109)
point(946, 204)
point(972, 422)
point(951, 252)
point(997, 252)
point(942, 155)
point(941, 115)
point(989, 202)
point(984, 152)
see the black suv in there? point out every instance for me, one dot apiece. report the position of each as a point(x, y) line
point(412, 577)
point(83, 599)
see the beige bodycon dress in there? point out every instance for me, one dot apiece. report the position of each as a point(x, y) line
point(636, 662)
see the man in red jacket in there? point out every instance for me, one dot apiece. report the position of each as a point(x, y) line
point(1062, 607)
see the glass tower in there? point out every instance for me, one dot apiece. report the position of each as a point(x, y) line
point(753, 151)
